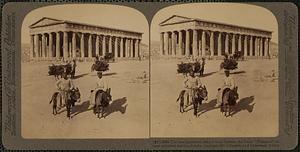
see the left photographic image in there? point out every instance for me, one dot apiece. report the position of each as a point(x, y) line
point(85, 72)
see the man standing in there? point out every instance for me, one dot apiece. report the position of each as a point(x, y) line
point(191, 83)
point(64, 85)
point(73, 65)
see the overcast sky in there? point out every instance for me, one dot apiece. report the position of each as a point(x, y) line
point(232, 13)
point(114, 16)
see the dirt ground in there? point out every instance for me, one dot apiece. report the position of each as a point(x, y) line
point(128, 113)
point(255, 115)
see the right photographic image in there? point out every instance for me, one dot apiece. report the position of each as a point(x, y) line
point(214, 71)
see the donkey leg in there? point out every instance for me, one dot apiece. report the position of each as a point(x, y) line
point(195, 108)
point(98, 111)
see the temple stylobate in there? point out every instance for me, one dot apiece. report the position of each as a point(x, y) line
point(55, 39)
point(184, 37)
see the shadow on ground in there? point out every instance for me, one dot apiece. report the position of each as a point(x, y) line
point(237, 72)
point(118, 105)
point(208, 74)
point(80, 75)
point(80, 108)
point(244, 104)
point(205, 107)
point(109, 74)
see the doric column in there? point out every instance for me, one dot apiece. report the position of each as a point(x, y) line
point(180, 52)
point(219, 44)
point(110, 44)
point(116, 47)
point(31, 46)
point(36, 46)
point(211, 42)
point(203, 40)
point(245, 45)
point(139, 47)
point(257, 46)
point(162, 43)
point(126, 47)
point(265, 47)
point(74, 45)
point(57, 45)
point(187, 43)
point(130, 48)
point(261, 46)
point(65, 45)
point(82, 45)
point(269, 47)
point(240, 42)
point(166, 43)
point(173, 43)
point(121, 47)
point(104, 45)
point(195, 40)
point(97, 45)
point(50, 45)
point(90, 46)
point(226, 43)
point(43, 45)
point(136, 52)
point(251, 45)
point(170, 44)
point(233, 43)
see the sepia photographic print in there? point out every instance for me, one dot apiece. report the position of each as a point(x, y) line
point(200, 54)
point(149, 75)
point(85, 72)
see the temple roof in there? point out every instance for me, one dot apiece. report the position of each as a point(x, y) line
point(47, 21)
point(176, 19)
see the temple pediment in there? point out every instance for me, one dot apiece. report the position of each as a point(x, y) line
point(45, 21)
point(175, 19)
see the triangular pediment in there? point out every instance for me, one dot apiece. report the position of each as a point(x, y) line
point(175, 19)
point(45, 21)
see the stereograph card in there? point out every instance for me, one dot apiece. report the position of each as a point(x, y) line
point(159, 75)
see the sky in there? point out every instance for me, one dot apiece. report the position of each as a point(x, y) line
point(114, 16)
point(231, 13)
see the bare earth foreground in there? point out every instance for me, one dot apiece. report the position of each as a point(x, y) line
point(255, 115)
point(128, 114)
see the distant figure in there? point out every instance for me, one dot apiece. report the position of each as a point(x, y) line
point(73, 65)
point(202, 65)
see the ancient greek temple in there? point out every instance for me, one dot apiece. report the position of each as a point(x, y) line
point(185, 37)
point(55, 39)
